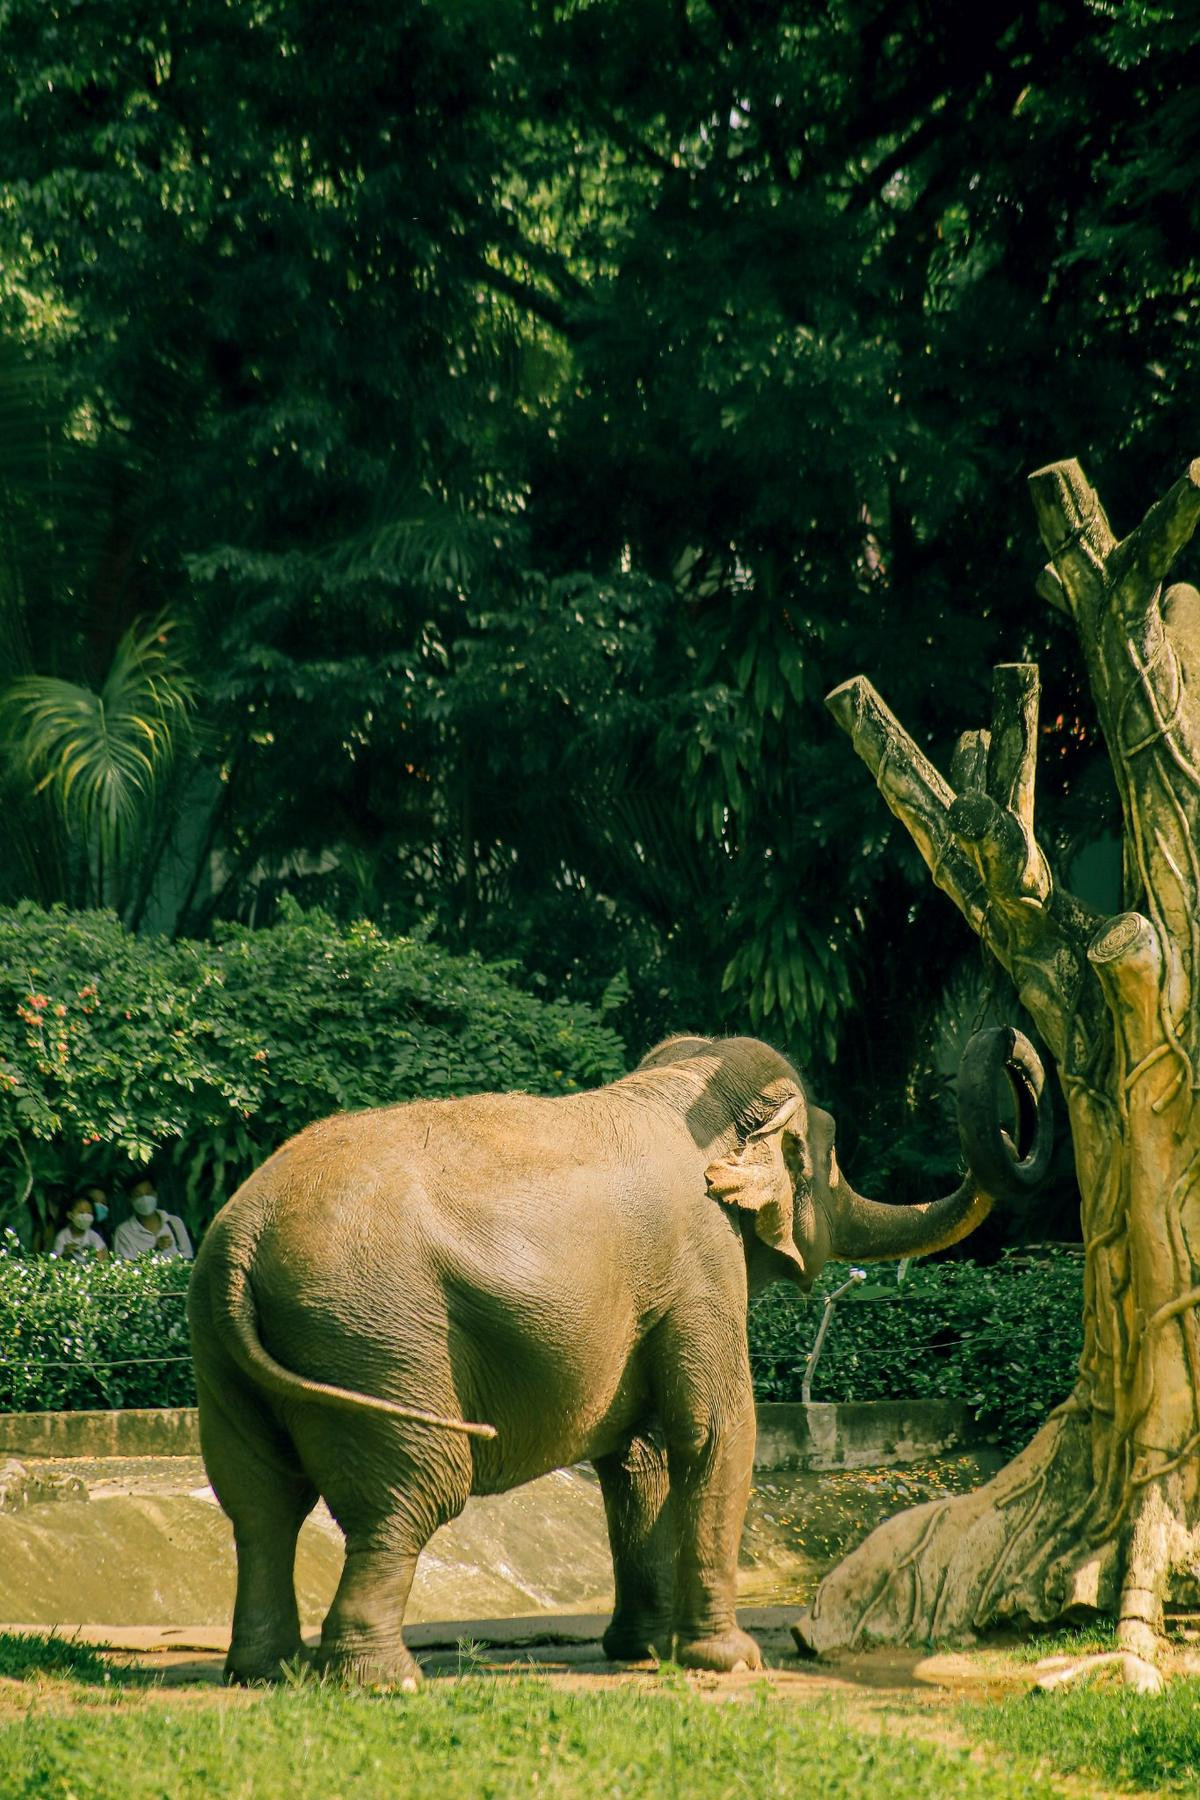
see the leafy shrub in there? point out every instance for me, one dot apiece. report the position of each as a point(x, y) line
point(1006, 1338)
point(206, 1056)
point(80, 1335)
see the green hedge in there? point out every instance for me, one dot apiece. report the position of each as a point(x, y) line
point(115, 1050)
point(75, 1336)
point(1004, 1338)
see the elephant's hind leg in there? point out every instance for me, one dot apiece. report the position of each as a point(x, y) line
point(265, 1492)
point(389, 1494)
point(362, 1639)
point(636, 1491)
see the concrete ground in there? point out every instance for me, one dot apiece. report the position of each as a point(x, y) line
point(142, 1542)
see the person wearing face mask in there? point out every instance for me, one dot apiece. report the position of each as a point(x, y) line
point(150, 1231)
point(99, 1199)
point(77, 1242)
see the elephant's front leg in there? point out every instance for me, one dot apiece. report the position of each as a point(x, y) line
point(636, 1489)
point(711, 1457)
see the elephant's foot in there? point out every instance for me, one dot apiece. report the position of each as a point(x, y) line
point(369, 1665)
point(636, 1639)
point(248, 1664)
point(729, 1652)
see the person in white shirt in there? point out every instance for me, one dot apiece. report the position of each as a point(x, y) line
point(151, 1232)
point(77, 1242)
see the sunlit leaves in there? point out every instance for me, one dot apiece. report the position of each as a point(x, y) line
point(98, 756)
point(116, 1049)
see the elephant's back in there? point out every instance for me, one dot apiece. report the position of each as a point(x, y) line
point(405, 1156)
point(431, 1188)
point(501, 1126)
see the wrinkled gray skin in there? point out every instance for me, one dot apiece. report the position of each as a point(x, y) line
point(573, 1272)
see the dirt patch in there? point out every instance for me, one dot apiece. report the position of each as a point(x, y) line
point(139, 1544)
point(566, 1651)
point(798, 1525)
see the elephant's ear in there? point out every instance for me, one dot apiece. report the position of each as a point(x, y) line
point(759, 1177)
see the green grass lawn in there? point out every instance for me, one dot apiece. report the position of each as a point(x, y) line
point(76, 1725)
point(1127, 1740)
point(480, 1737)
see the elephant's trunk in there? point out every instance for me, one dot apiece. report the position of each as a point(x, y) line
point(865, 1231)
point(999, 1168)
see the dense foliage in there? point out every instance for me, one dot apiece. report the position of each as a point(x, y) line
point(77, 1336)
point(116, 1049)
point(1004, 1338)
point(511, 418)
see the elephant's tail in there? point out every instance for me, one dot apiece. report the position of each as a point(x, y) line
point(233, 1317)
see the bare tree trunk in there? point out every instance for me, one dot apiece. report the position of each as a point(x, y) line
point(1102, 1510)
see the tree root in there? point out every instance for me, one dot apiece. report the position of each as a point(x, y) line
point(1018, 1551)
point(1067, 1671)
point(1011, 1551)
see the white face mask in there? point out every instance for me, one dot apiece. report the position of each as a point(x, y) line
point(145, 1204)
point(80, 1221)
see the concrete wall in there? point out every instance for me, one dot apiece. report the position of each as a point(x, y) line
point(154, 1431)
point(867, 1434)
point(860, 1434)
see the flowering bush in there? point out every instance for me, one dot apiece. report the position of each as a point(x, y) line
point(206, 1056)
point(81, 1335)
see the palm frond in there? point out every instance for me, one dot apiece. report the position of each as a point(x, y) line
point(98, 757)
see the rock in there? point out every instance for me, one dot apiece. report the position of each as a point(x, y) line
point(14, 1485)
point(21, 1487)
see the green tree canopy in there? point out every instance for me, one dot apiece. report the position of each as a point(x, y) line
point(527, 412)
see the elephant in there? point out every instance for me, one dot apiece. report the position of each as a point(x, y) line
point(411, 1304)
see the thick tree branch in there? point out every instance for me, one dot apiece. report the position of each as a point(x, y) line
point(1152, 548)
point(1001, 849)
point(1140, 974)
point(1012, 763)
point(1075, 531)
point(913, 790)
point(1051, 590)
point(984, 855)
point(968, 766)
point(1103, 1509)
point(1012, 753)
point(1087, 562)
point(1143, 658)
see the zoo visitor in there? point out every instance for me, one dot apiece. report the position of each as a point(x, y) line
point(151, 1232)
point(77, 1242)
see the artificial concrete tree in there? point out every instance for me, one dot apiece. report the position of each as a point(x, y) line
point(1102, 1510)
